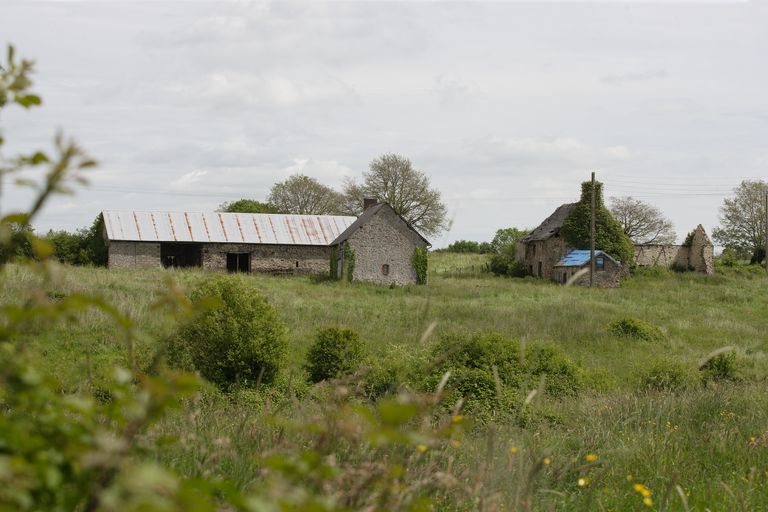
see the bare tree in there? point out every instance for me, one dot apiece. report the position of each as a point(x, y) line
point(742, 220)
point(391, 178)
point(642, 222)
point(301, 194)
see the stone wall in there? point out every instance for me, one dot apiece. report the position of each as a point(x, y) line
point(279, 259)
point(699, 256)
point(661, 255)
point(702, 252)
point(609, 278)
point(271, 259)
point(133, 254)
point(542, 252)
point(384, 240)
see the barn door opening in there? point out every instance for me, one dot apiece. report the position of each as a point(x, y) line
point(238, 262)
point(180, 254)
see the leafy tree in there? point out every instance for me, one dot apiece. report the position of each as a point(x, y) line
point(301, 194)
point(742, 220)
point(506, 237)
point(17, 244)
point(391, 178)
point(643, 223)
point(84, 247)
point(247, 206)
point(609, 236)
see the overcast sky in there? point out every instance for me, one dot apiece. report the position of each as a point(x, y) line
point(507, 106)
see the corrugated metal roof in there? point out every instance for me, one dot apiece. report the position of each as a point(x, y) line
point(577, 258)
point(215, 227)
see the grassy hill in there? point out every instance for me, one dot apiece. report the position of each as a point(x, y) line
point(710, 440)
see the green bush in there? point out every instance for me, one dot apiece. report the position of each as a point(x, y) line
point(482, 352)
point(666, 376)
point(722, 367)
point(241, 343)
point(505, 264)
point(728, 258)
point(636, 329)
point(334, 353)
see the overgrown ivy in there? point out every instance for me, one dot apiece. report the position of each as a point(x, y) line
point(420, 264)
point(349, 257)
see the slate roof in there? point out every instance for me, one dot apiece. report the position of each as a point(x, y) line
point(577, 258)
point(219, 227)
point(551, 225)
point(367, 215)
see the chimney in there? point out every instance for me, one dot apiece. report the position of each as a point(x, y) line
point(368, 202)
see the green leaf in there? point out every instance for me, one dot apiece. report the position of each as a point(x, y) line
point(28, 100)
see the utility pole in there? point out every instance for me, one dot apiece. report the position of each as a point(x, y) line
point(592, 238)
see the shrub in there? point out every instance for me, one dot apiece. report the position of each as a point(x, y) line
point(505, 264)
point(481, 352)
point(722, 367)
point(666, 376)
point(728, 258)
point(334, 353)
point(239, 343)
point(636, 329)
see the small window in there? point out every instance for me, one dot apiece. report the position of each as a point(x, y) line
point(599, 263)
point(540, 273)
point(385, 270)
point(565, 277)
point(297, 264)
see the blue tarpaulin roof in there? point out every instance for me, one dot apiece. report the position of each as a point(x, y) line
point(578, 258)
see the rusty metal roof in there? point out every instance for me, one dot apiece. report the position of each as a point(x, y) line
point(215, 227)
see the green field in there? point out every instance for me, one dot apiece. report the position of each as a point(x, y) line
point(700, 446)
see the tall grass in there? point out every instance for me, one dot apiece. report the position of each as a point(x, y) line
point(701, 447)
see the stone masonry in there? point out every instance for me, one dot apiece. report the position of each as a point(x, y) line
point(384, 247)
point(699, 255)
point(134, 254)
point(271, 259)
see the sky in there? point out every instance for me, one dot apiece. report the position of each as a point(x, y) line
point(506, 106)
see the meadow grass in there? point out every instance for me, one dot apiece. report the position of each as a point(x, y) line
point(710, 440)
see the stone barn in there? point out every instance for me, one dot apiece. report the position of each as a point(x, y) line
point(608, 271)
point(697, 253)
point(379, 247)
point(543, 248)
point(236, 242)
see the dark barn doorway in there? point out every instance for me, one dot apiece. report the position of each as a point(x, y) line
point(180, 255)
point(238, 262)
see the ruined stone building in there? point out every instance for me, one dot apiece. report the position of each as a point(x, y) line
point(381, 246)
point(237, 242)
point(545, 254)
point(543, 248)
point(697, 253)
point(608, 270)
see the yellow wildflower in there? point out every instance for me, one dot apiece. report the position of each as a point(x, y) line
point(648, 502)
point(421, 448)
point(455, 443)
point(591, 457)
point(547, 461)
point(457, 418)
point(583, 482)
point(513, 450)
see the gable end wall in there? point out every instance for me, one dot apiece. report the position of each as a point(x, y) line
point(384, 240)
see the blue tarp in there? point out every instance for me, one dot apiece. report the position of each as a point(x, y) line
point(578, 258)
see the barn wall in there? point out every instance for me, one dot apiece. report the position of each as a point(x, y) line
point(133, 254)
point(272, 259)
point(384, 240)
point(702, 252)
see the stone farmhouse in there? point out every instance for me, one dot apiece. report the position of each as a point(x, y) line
point(382, 245)
point(265, 243)
point(543, 252)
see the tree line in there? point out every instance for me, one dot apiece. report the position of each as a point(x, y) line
point(390, 178)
